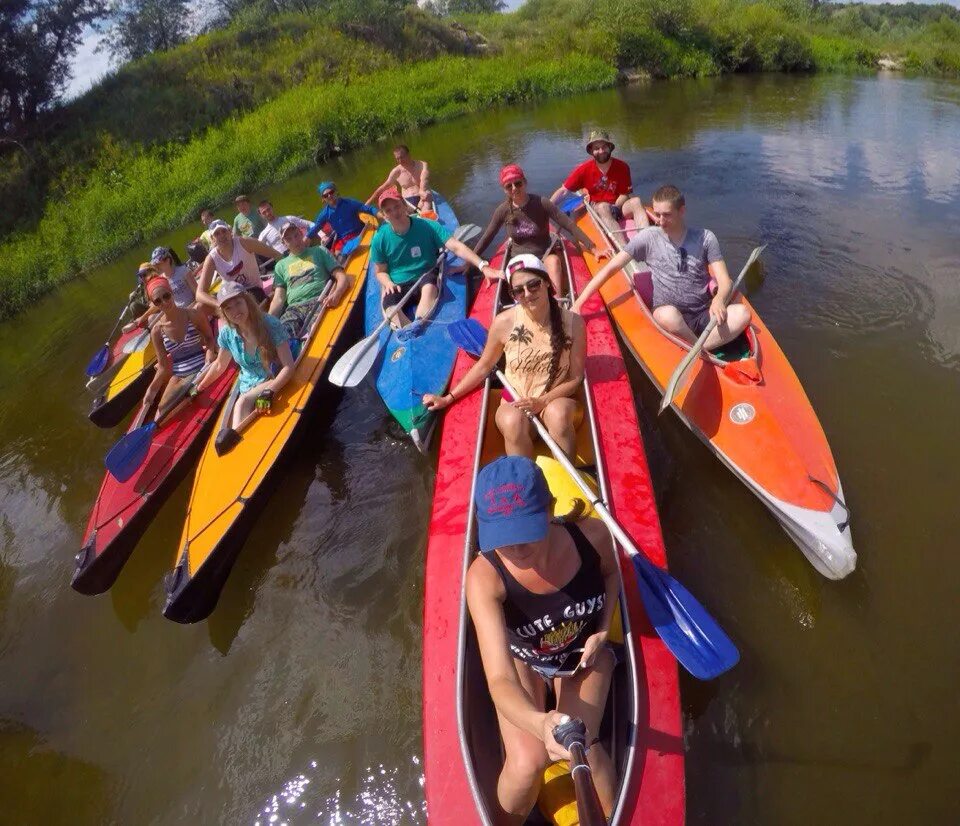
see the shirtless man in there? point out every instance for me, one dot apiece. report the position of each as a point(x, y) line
point(413, 178)
point(607, 182)
point(683, 260)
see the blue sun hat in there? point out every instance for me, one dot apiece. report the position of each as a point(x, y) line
point(323, 186)
point(512, 502)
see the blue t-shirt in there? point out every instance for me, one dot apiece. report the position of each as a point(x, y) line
point(251, 367)
point(344, 218)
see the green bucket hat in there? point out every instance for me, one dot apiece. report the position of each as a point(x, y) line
point(600, 135)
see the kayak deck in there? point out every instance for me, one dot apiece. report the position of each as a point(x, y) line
point(642, 724)
point(751, 411)
point(227, 488)
point(123, 510)
point(419, 360)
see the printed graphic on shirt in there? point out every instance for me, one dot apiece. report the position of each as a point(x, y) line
point(524, 228)
point(550, 637)
point(237, 274)
point(300, 270)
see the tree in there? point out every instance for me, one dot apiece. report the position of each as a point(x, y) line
point(38, 39)
point(139, 27)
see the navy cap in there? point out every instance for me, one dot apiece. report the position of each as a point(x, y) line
point(512, 501)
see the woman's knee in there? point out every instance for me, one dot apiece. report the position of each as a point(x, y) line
point(558, 415)
point(511, 421)
point(525, 762)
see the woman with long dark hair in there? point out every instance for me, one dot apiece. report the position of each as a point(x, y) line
point(527, 218)
point(545, 347)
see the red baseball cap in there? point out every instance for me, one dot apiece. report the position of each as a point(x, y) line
point(511, 172)
point(389, 195)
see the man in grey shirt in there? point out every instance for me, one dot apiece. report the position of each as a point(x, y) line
point(683, 261)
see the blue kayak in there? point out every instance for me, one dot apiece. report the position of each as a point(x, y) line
point(418, 359)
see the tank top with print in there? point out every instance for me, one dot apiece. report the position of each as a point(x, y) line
point(543, 630)
point(240, 267)
point(528, 353)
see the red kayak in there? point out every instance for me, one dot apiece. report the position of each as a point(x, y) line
point(123, 510)
point(642, 729)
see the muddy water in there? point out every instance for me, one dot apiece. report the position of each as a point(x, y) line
point(299, 697)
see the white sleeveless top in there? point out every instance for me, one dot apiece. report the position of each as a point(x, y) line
point(240, 267)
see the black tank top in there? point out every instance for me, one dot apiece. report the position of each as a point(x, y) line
point(544, 630)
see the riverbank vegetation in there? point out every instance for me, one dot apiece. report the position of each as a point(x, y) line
point(276, 91)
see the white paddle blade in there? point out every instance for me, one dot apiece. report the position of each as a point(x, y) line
point(354, 365)
point(465, 233)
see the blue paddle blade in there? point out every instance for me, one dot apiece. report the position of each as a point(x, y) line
point(572, 203)
point(128, 454)
point(468, 334)
point(691, 634)
point(349, 247)
point(99, 362)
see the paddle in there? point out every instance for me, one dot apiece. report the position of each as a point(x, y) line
point(572, 735)
point(694, 637)
point(101, 358)
point(571, 203)
point(354, 365)
point(128, 454)
point(682, 368)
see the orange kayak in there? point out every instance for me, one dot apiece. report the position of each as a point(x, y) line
point(749, 408)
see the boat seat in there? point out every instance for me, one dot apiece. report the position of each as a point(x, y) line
point(643, 284)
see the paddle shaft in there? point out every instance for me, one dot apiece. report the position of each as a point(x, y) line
point(678, 374)
point(123, 312)
point(621, 535)
point(572, 736)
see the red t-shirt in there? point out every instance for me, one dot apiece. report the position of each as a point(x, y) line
point(603, 188)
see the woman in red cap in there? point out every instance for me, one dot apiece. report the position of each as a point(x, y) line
point(527, 218)
point(183, 341)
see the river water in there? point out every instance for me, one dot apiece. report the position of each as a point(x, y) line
point(299, 698)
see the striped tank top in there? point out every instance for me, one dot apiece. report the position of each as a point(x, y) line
point(188, 355)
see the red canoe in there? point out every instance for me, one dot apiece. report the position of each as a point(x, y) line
point(123, 510)
point(643, 729)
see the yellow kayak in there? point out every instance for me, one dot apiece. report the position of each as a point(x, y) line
point(128, 383)
point(228, 488)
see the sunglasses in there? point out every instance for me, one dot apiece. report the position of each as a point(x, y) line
point(515, 184)
point(531, 287)
point(161, 299)
point(328, 194)
point(683, 260)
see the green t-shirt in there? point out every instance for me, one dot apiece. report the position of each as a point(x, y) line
point(410, 255)
point(249, 226)
point(304, 276)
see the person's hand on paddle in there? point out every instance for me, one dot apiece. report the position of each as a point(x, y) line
point(392, 288)
point(718, 309)
point(433, 403)
point(533, 406)
point(551, 720)
point(492, 274)
point(593, 644)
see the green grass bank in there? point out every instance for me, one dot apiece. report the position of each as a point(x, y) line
point(270, 95)
point(152, 191)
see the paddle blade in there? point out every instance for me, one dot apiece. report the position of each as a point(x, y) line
point(353, 365)
point(349, 247)
point(226, 440)
point(137, 343)
point(468, 334)
point(99, 361)
point(128, 454)
point(571, 204)
point(465, 233)
point(691, 634)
